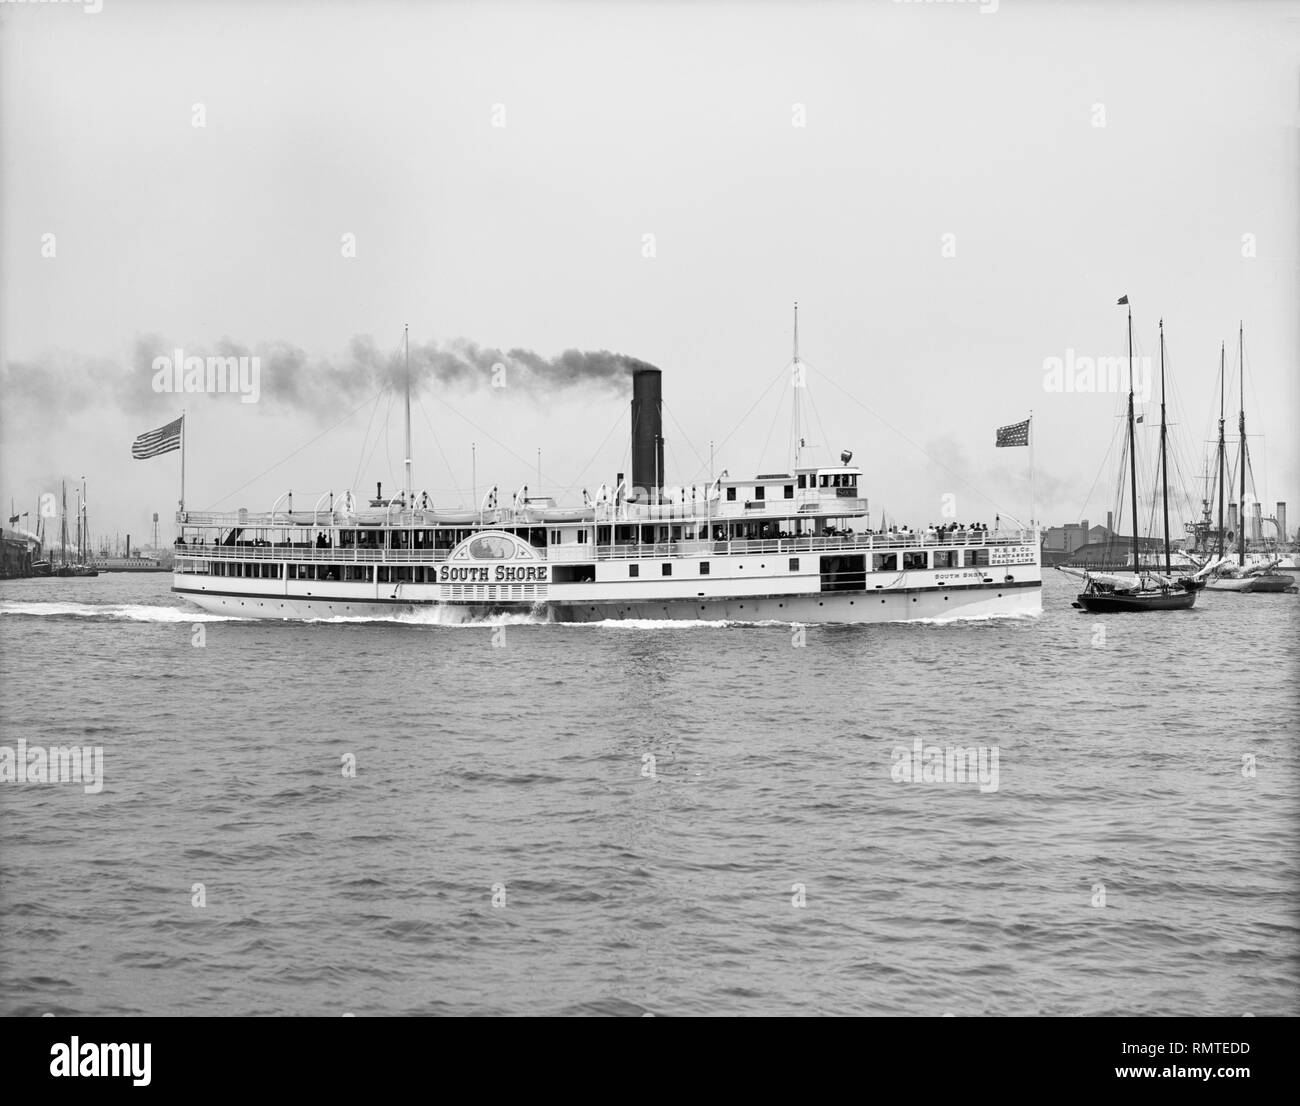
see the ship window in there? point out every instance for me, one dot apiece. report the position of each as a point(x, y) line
point(760, 492)
point(825, 481)
point(977, 558)
point(582, 537)
point(803, 481)
point(794, 564)
point(666, 569)
point(731, 495)
point(634, 570)
point(946, 558)
point(789, 491)
point(884, 562)
point(555, 537)
point(914, 560)
point(704, 568)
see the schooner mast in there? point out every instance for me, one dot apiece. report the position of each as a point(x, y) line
point(1222, 452)
point(1241, 430)
point(1132, 452)
point(1164, 460)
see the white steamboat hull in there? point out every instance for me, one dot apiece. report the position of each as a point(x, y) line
point(902, 605)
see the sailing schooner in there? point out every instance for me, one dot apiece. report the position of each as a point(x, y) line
point(1143, 591)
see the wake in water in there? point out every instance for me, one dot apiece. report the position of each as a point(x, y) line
point(105, 612)
point(442, 617)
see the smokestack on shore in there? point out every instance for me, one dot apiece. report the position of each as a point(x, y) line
point(1283, 535)
point(647, 434)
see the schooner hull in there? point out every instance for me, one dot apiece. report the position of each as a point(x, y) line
point(1119, 604)
point(1273, 583)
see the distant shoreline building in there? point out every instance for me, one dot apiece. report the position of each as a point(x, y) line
point(18, 549)
point(1061, 543)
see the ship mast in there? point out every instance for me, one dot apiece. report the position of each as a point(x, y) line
point(63, 527)
point(798, 387)
point(1222, 451)
point(406, 498)
point(1132, 451)
point(1241, 429)
point(1164, 460)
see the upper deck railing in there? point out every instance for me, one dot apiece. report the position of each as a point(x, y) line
point(266, 551)
point(696, 511)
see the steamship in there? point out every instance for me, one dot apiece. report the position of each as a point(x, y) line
point(791, 546)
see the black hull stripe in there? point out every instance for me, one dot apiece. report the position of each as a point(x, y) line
point(525, 604)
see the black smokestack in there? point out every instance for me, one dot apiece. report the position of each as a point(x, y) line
point(647, 433)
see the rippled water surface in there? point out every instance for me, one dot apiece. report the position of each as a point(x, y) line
point(647, 803)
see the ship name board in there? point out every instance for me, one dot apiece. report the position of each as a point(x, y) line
point(492, 574)
point(1020, 555)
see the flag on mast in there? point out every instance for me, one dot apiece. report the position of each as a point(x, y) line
point(1015, 434)
point(155, 442)
point(1121, 301)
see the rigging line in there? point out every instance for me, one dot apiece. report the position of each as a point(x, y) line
point(531, 466)
point(751, 410)
point(988, 499)
point(762, 455)
point(388, 449)
point(438, 442)
point(698, 456)
point(295, 453)
point(374, 448)
point(583, 472)
point(818, 416)
point(361, 454)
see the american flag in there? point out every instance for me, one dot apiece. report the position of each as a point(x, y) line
point(1015, 434)
point(163, 440)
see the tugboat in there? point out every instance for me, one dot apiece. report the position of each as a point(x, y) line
point(790, 546)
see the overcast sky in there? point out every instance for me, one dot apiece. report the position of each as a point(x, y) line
point(499, 169)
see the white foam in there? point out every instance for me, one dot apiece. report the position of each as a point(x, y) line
point(127, 612)
point(449, 617)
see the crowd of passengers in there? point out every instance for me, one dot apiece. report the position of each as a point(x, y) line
point(946, 532)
